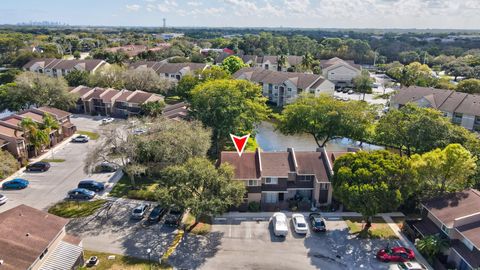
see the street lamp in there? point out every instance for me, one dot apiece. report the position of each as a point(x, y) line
point(149, 262)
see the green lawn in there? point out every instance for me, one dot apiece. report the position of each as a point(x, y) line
point(120, 262)
point(74, 209)
point(92, 135)
point(379, 228)
point(202, 228)
point(53, 160)
point(123, 188)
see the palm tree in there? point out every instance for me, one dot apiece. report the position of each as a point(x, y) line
point(431, 245)
point(307, 61)
point(281, 61)
point(49, 124)
point(35, 137)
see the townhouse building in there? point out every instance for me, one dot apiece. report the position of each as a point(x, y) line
point(108, 101)
point(455, 217)
point(171, 71)
point(267, 62)
point(36, 240)
point(461, 108)
point(275, 179)
point(282, 88)
point(60, 67)
point(13, 139)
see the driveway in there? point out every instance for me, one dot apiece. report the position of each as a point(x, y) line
point(248, 244)
point(111, 230)
point(49, 187)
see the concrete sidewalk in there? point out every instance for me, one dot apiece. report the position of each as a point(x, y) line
point(263, 215)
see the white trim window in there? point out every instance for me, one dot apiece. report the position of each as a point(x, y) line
point(324, 186)
point(253, 183)
point(271, 181)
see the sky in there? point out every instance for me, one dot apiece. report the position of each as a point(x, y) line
point(420, 14)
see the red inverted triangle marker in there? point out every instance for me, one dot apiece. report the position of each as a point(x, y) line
point(240, 143)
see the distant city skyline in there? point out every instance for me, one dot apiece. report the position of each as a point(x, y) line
point(420, 14)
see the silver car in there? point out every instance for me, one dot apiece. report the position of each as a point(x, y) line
point(140, 211)
point(3, 199)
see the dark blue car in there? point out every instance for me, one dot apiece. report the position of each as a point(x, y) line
point(91, 185)
point(81, 194)
point(16, 183)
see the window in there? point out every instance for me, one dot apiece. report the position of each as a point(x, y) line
point(271, 197)
point(253, 183)
point(271, 180)
point(307, 178)
point(289, 89)
point(324, 186)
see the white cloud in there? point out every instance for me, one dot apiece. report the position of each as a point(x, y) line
point(194, 3)
point(214, 11)
point(133, 7)
point(297, 6)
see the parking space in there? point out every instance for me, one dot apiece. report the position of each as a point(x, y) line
point(111, 230)
point(251, 244)
point(47, 188)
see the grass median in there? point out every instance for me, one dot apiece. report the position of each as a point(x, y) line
point(91, 135)
point(203, 227)
point(76, 209)
point(121, 262)
point(379, 229)
point(145, 188)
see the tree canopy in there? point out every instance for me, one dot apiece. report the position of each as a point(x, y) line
point(372, 182)
point(9, 164)
point(326, 119)
point(77, 77)
point(363, 83)
point(470, 86)
point(228, 106)
point(232, 64)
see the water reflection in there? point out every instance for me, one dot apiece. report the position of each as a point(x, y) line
point(270, 140)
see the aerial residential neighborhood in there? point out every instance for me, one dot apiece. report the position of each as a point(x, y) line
point(240, 134)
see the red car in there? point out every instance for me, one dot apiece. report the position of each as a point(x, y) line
point(395, 254)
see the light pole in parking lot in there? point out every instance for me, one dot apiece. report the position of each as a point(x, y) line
point(149, 261)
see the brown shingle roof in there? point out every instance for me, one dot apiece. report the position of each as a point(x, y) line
point(60, 114)
point(87, 64)
point(139, 97)
point(472, 232)
point(246, 166)
point(25, 233)
point(108, 94)
point(7, 130)
point(38, 117)
point(455, 205)
point(312, 163)
point(277, 164)
point(260, 75)
point(470, 105)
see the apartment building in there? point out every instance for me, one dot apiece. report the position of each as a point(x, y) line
point(59, 67)
point(109, 101)
point(267, 62)
point(282, 88)
point(461, 108)
point(340, 72)
point(12, 134)
point(456, 217)
point(276, 179)
point(36, 240)
point(171, 71)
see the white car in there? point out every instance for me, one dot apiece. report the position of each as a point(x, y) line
point(407, 266)
point(299, 224)
point(279, 222)
point(3, 199)
point(81, 139)
point(107, 120)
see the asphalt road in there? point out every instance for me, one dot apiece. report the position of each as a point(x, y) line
point(49, 187)
point(252, 245)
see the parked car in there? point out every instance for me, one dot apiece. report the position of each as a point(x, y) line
point(395, 254)
point(407, 266)
point(350, 92)
point(81, 194)
point(339, 90)
point(38, 167)
point(92, 261)
point(317, 222)
point(299, 224)
point(81, 139)
point(91, 185)
point(106, 167)
point(174, 217)
point(107, 120)
point(139, 211)
point(279, 222)
point(156, 214)
point(17, 183)
point(345, 90)
point(3, 199)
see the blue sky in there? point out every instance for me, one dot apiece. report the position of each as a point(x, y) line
point(257, 13)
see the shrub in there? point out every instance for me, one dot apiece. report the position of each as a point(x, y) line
point(142, 194)
point(254, 206)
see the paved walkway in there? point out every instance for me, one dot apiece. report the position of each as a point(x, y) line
point(388, 219)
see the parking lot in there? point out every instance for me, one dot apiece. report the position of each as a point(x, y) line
point(47, 188)
point(111, 230)
point(249, 244)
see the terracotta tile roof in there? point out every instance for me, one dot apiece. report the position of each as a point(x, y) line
point(246, 166)
point(25, 233)
point(454, 205)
